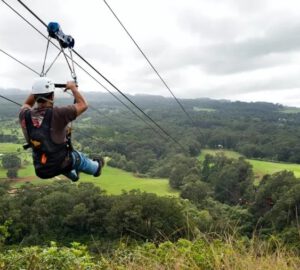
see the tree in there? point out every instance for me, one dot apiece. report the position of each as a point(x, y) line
point(12, 163)
point(270, 190)
point(183, 167)
point(194, 148)
point(195, 191)
point(234, 183)
point(12, 173)
point(177, 175)
point(283, 217)
point(232, 179)
point(146, 215)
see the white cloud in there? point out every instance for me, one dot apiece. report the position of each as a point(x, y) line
point(236, 49)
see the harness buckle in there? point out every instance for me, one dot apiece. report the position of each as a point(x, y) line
point(36, 144)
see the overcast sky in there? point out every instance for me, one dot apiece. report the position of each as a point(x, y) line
point(234, 49)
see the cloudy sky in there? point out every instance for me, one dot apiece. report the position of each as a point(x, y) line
point(233, 49)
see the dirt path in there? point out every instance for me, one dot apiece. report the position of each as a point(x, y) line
point(24, 179)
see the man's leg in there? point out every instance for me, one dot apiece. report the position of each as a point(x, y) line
point(84, 164)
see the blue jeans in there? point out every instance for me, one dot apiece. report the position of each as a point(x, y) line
point(81, 163)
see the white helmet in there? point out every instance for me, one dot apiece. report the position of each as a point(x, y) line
point(42, 85)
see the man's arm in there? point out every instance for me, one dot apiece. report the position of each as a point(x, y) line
point(29, 102)
point(27, 105)
point(80, 103)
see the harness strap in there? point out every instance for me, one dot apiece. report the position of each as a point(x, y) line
point(69, 140)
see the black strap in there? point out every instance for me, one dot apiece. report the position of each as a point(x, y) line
point(28, 122)
point(46, 123)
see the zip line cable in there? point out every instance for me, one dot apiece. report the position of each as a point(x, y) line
point(109, 82)
point(93, 108)
point(20, 105)
point(128, 99)
point(150, 63)
point(77, 131)
point(20, 62)
point(85, 69)
point(17, 103)
point(115, 96)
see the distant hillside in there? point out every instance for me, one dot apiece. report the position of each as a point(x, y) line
point(154, 101)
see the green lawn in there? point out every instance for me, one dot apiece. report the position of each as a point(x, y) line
point(290, 110)
point(10, 147)
point(113, 180)
point(260, 167)
point(266, 167)
point(11, 128)
point(25, 171)
point(16, 149)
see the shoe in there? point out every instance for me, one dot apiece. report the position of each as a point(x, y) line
point(73, 175)
point(101, 163)
point(75, 179)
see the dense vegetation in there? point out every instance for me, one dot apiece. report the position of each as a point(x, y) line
point(218, 195)
point(182, 254)
point(222, 198)
point(257, 130)
point(64, 212)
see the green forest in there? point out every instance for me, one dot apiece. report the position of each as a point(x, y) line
point(221, 209)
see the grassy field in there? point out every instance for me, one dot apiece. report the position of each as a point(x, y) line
point(260, 167)
point(113, 180)
point(265, 167)
point(9, 147)
point(6, 148)
point(11, 128)
point(290, 110)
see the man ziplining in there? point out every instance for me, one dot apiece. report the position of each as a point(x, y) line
point(45, 130)
point(45, 127)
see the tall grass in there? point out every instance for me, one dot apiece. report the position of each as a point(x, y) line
point(256, 254)
point(202, 255)
point(229, 254)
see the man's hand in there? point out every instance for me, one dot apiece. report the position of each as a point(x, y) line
point(80, 102)
point(71, 86)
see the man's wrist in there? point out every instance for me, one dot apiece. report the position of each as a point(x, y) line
point(74, 89)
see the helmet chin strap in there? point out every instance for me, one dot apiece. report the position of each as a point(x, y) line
point(46, 99)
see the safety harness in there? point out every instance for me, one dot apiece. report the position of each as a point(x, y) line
point(50, 159)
